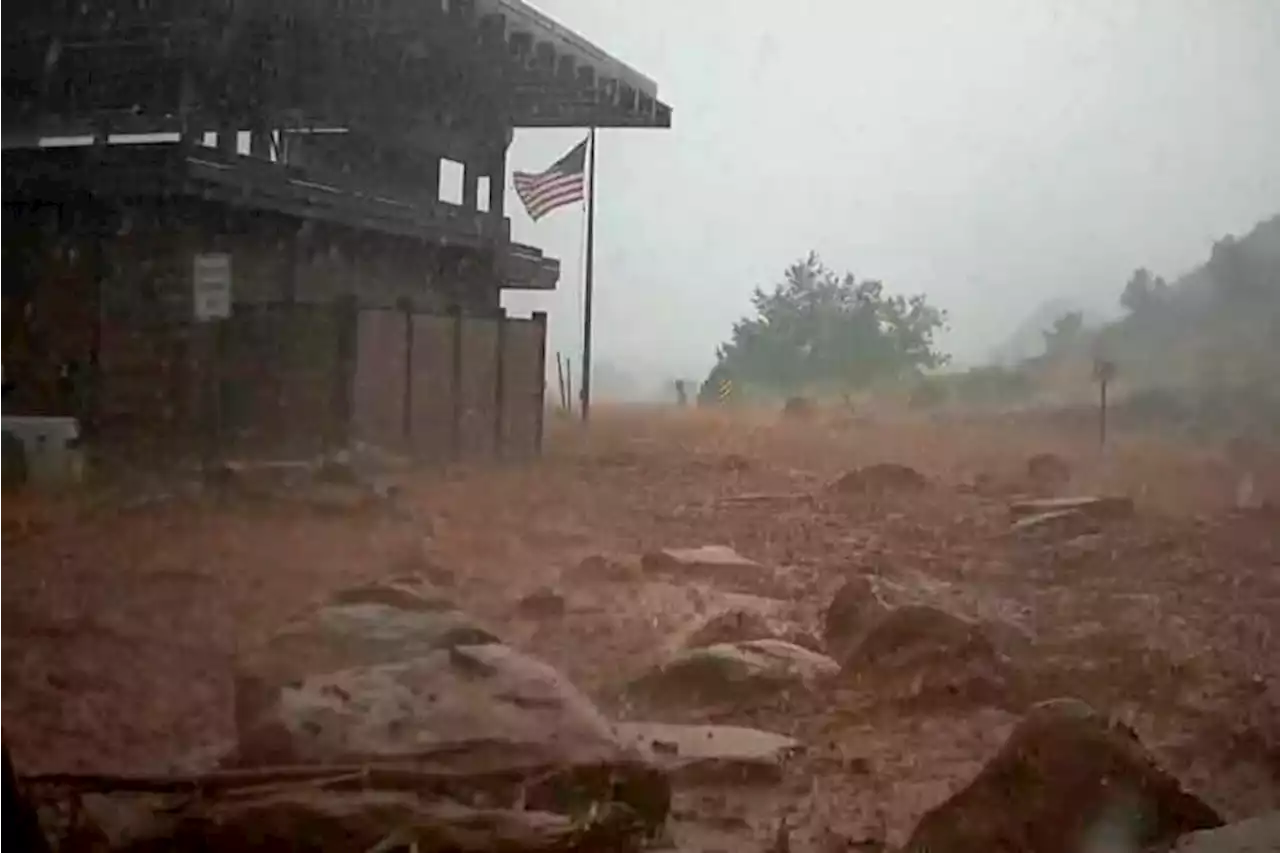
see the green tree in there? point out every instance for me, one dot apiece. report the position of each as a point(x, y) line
point(820, 327)
point(1242, 275)
point(1065, 332)
point(1143, 292)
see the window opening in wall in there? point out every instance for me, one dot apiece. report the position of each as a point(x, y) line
point(450, 181)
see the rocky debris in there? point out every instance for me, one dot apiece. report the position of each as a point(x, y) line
point(855, 605)
point(708, 562)
point(1048, 472)
point(920, 654)
point(1099, 508)
point(1067, 779)
point(543, 603)
point(1259, 834)
point(388, 622)
point(882, 477)
point(700, 754)
point(731, 672)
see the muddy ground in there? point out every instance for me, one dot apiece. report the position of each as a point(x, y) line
point(121, 618)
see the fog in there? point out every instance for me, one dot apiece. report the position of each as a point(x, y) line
point(993, 154)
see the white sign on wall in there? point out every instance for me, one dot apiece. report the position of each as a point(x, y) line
point(211, 287)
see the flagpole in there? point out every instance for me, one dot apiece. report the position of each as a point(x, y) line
point(589, 279)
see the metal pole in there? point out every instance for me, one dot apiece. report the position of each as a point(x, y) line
point(589, 282)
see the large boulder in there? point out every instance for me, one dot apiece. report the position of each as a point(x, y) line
point(923, 655)
point(464, 697)
point(478, 712)
point(732, 672)
point(1067, 779)
point(387, 622)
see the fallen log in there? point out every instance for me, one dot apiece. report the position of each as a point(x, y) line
point(495, 806)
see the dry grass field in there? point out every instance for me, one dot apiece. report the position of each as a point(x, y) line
point(120, 622)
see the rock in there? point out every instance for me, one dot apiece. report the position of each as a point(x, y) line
point(880, 477)
point(731, 626)
point(543, 603)
point(698, 754)
point(476, 715)
point(387, 622)
point(728, 672)
point(710, 562)
point(403, 592)
point(474, 694)
point(1066, 780)
point(920, 654)
point(800, 408)
point(740, 624)
point(1048, 471)
point(1101, 508)
point(1256, 835)
point(1062, 522)
point(853, 608)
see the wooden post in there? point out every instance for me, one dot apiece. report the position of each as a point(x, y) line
point(564, 400)
point(1103, 371)
point(500, 388)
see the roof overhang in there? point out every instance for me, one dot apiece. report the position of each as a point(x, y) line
point(482, 64)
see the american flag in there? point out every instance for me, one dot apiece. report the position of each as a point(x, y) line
point(563, 183)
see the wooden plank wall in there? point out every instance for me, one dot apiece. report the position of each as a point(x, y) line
point(433, 422)
point(378, 399)
point(523, 386)
point(449, 387)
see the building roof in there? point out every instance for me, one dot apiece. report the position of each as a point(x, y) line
point(131, 67)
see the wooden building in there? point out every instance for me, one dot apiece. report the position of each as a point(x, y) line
point(300, 142)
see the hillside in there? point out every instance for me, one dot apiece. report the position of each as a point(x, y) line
point(1218, 325)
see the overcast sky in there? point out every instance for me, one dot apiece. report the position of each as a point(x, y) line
point(991, 153)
